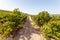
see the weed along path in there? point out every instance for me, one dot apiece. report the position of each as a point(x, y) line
point(28, 32)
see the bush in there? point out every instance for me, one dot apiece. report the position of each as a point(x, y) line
point(52, 29)
point(10, 21)
point(42, 18)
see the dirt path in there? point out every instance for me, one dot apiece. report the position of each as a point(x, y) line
point(28, 32)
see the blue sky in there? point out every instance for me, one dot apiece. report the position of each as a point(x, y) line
point(32, 6)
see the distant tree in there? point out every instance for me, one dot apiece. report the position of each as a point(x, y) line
point(16, 10)
point(43, 17)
